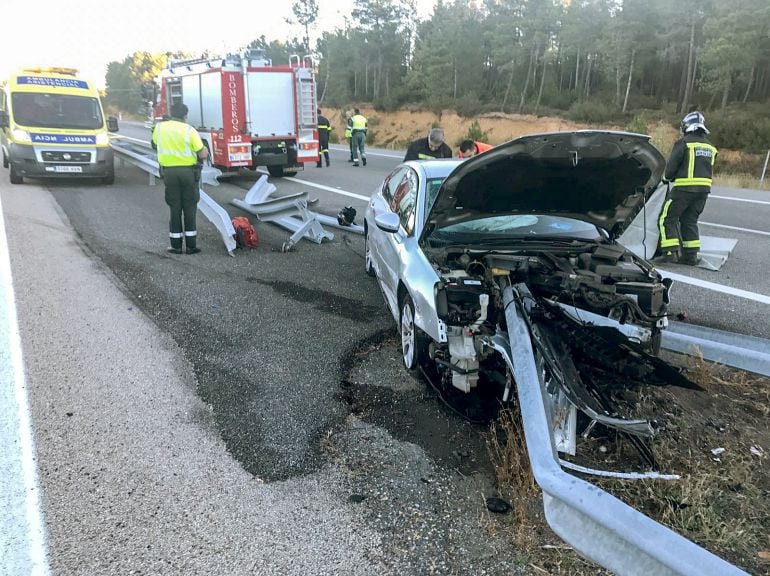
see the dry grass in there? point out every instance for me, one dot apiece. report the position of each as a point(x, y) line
point(721, 500)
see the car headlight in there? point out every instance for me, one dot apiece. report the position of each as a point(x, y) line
point(102, 139)
point(21, 135)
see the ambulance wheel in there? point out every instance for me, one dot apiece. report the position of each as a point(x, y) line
point(16, 178)
point(5, 161)
point(109, 180)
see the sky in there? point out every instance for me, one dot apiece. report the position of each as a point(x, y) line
point(87, 34)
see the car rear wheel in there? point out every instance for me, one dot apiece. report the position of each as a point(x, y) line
point(414, 342)
point(368, 257)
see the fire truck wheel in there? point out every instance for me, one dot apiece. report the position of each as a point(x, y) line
point(278, 172)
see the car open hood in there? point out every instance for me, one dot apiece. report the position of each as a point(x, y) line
point(600, 177)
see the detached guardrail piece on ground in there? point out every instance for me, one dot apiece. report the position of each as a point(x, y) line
point(289, 212)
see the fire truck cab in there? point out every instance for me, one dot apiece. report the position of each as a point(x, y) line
point(248, 112)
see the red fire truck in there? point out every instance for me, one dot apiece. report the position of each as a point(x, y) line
point(248, 112)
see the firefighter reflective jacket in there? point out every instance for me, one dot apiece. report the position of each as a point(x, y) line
point(324, 128)
point(177, 143)
point(691, 163)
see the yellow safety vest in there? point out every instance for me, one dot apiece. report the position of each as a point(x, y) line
point(177, 144)
point(359, 122)
point(694, 149)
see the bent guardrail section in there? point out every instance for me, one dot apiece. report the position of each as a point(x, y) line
point(598, 525)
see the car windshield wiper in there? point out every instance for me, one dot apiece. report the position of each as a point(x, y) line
point(549, 240)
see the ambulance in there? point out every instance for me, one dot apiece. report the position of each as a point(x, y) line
point(52, 126)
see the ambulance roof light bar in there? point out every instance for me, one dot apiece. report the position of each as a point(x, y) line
point(53, 70)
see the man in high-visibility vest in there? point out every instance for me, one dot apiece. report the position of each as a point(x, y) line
point(179, 149)
point(358, 129)
point(690, 168)
point(349, 133)
point(324, 129)
point(469, 148)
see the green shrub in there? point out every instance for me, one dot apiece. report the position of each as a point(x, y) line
point(592, 112)
point(476, 133)
point(742, 129)
point(469, 105)
point(638, 124)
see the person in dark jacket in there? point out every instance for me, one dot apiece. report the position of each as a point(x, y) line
point(324, 129)
point(689, 168)
point(429, 148)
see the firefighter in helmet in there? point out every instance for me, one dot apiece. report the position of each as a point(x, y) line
point(689, 168)
point(324, 129)
point(180, 149)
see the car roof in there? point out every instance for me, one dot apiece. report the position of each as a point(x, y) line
point(435, 168)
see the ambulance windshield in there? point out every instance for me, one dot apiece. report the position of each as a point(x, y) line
point(56, 111)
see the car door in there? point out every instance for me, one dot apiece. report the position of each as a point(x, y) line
point(392, 249)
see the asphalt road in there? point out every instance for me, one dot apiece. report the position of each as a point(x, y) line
point(187, 410)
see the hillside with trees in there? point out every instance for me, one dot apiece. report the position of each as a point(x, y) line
point(595, 61)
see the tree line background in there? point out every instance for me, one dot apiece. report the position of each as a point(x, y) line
point(594, 61)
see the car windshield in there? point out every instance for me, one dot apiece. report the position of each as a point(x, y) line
point(518, 226)
point(56, 111)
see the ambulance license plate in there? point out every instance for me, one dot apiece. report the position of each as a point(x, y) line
point(64, 168)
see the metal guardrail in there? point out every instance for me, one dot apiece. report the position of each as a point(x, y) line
point(736, 350)
point(598, 525)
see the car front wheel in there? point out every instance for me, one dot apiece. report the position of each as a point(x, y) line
point(368, 256)
point(414, 342)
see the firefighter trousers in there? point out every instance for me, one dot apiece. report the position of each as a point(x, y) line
point(679, 220)
point(182, 195)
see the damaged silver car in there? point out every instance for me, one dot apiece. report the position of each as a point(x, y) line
point(532, 224)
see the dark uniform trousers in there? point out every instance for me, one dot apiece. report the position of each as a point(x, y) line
point(682, 208)
point(182, 196)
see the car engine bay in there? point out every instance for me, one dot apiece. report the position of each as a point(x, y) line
point(595, 312)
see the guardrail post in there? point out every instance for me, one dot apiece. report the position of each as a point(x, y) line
point(764, 169)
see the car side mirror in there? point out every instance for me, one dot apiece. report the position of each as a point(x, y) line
point(112, 124)
point(388, 222)
point(5, 121)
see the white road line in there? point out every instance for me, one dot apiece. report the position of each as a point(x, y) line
point(716, 287)
point(732, 199)
point(322, 187)
point(368, 153)
point(22, 536)
point(735, 228)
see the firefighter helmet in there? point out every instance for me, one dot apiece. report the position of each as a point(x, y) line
point(692, 122)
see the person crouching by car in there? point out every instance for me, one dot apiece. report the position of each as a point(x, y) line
point(469, 148)
point(429, 148)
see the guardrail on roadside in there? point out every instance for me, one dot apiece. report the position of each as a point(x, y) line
point(598, 525)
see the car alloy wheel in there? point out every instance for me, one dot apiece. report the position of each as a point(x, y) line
point(414, 342)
